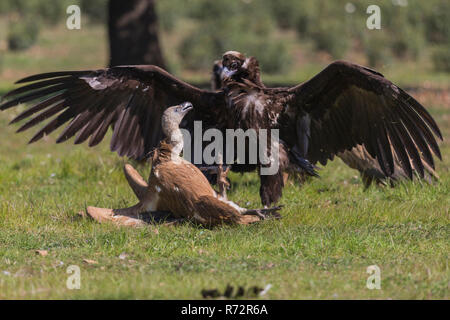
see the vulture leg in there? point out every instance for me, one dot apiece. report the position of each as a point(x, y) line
point(222, 181)
point(137, 215)
point(131, 217)
point(135, 180)
point(216, 174)
point(285, 177)
point(125, 217)
point(271, 186)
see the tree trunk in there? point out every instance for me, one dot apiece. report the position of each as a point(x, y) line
point(133, 33)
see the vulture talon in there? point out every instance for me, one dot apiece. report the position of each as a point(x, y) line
point(265, 213)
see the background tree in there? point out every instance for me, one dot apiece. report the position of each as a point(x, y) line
point(133, 33)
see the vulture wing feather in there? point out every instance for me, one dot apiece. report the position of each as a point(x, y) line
point(95, 100)
point(350, 105)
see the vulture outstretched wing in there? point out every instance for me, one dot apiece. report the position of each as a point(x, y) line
point(359, 158)
point(131, 99)
point(347, 105)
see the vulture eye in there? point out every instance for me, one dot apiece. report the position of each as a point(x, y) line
point(234, 65)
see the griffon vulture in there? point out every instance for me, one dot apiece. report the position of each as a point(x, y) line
point(343, 106)
point(178, 187)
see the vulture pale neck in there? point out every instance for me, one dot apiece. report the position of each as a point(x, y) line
point(175, 139)
point(171, 120)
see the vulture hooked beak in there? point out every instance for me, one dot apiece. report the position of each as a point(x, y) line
point(227, 73)
point(182, 110)
point(186, 107)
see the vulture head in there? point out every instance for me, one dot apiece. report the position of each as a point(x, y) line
point(173, 116)
point(237, 67)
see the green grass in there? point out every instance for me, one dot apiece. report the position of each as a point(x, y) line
point(331, 230)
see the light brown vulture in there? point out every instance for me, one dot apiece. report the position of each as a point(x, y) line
point(343, 106)
point(177, 187)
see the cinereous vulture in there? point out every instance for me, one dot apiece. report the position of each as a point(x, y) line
point(357, 158)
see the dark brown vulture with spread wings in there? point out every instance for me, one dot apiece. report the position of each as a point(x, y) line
point(357, 158)
point(343, 106)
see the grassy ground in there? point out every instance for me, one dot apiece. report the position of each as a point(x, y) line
point(331, 230)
